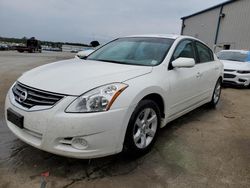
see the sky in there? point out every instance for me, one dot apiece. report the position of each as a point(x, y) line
point(86, 20)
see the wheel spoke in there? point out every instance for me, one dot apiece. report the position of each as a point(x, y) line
point(146, 114)
point(137, 136)
point(151, 120)
point(138, 123)
point(150, 132)
point(218, 90)
point(143, 140)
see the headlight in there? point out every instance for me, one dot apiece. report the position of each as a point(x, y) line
point(244, 72)
point(97, 100)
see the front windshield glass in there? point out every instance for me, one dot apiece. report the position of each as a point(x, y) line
point(233, 56)
point(146, 51)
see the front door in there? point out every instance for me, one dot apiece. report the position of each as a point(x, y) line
point(184, 82)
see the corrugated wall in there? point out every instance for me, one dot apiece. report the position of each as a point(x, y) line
point(203, 26)
point(235, 26)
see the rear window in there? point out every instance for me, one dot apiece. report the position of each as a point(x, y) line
point(234, 56)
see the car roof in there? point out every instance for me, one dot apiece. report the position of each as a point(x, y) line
point(240, 51)
point(167, 36)
point(171, 36)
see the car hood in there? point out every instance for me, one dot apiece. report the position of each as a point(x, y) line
point(236, 65)
point(75, 76)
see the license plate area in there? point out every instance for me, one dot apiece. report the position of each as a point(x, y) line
point(15, 118)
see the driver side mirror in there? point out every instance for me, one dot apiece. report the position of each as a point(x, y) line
point(84, 54)
point(183, 62)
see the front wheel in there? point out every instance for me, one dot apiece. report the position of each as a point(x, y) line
point(142, 128)
point(216, 94)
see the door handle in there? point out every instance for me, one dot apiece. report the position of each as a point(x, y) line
point(198, 75)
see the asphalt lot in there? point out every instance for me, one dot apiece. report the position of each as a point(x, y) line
point(205, 148)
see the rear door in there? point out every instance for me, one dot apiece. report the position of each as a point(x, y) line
point(207, 70)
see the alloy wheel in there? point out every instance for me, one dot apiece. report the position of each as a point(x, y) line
point(217, 92)
point(145, 128)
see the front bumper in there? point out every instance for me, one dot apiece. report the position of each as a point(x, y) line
point(235, 78)
point(52, 130)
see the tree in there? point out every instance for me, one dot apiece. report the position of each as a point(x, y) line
point(94, 43)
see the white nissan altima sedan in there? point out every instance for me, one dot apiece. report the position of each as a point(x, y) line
point(115, 99)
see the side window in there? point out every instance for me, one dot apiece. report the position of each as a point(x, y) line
point(204, 53)
point(184, 49)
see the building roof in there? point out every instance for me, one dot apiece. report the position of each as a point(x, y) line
point(208, 9)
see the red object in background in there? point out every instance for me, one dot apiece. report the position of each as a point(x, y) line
point(45, 174)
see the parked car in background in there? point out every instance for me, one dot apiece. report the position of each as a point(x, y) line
point(4, 47)
point(236, 67)
point(116, 99)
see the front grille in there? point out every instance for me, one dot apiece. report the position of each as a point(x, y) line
point(229, 70)
point(29, 97)
point(229, 76)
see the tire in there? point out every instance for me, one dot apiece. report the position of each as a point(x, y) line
point(141, 136)
point(248, 86)
point(216, 94)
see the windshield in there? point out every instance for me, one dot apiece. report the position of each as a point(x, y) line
point(146, 51)
point(233, 56)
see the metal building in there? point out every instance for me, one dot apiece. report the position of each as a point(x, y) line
point(226, 25)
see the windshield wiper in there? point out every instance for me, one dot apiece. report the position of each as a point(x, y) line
point(118, 62)
point(110, 61)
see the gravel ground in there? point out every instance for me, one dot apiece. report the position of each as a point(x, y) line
point(205, 148)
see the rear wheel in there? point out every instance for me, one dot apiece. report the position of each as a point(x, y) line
point(216, 94)
point(142, 128)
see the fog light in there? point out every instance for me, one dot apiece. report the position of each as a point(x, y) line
point(242, 80)
point(79, 143)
